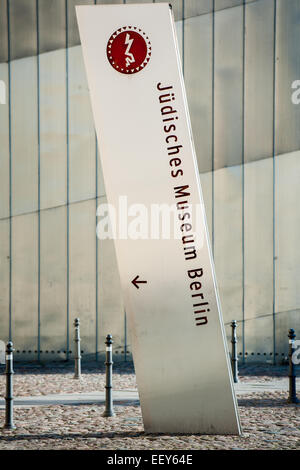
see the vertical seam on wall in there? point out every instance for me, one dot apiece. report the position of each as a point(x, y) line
point(243, 182)
point(125, 336)
point(125, 329)
point(274, 179)
point(96, 267)
point(10, 174)
point(183, 22)
point(39, 179)
point(213, 136)
point(68, 189)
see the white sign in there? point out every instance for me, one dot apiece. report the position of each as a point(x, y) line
point(169, 288)
point(2, 352)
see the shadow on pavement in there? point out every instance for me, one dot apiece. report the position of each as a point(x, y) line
point(265, 402)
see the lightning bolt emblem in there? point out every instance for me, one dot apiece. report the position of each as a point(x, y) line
point(130, 57)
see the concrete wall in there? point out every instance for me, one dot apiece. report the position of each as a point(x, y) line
point(53, 268)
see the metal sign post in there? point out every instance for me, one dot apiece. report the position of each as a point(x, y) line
point(9, 398)
point(168, 282)
point(77, 374)
point(109, 407)
point(292, 369)
point(234, 357)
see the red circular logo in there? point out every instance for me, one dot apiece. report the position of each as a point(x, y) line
point(128, 50)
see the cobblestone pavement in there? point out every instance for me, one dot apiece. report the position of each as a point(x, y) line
point(34, 379)
point(45, 380)
point(268, 421)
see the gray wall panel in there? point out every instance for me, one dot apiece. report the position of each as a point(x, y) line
point(4, 280)
point(111, 309)
point(4, 147)
point(111, 2)
point(259, 59)
point(73, 33)
point(3, 31)
point(228, 87)
point(228, 247)
point(83, 273)
point(222, 4)
point(287, 70)
point(53, 280)
point(52, 24)
point(25, 283)
point(287, 229)
point(131, 1)
point(193, 8)
point(285, 321)
point(53, 146)
point(82, 142)
point(22, 39)
point(258, 249)
point(24, 125)
point(54, 11)
point(198, 81)
point(259, 339)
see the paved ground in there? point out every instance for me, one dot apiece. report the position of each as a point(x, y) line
point(268, 421)
point(126, 396)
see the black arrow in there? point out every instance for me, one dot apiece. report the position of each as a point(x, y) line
point(135, 282)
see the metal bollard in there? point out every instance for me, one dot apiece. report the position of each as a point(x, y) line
point(77, 374)
point(234, 357)
point(109, 410)
point(9, 403)
point(292, 371)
